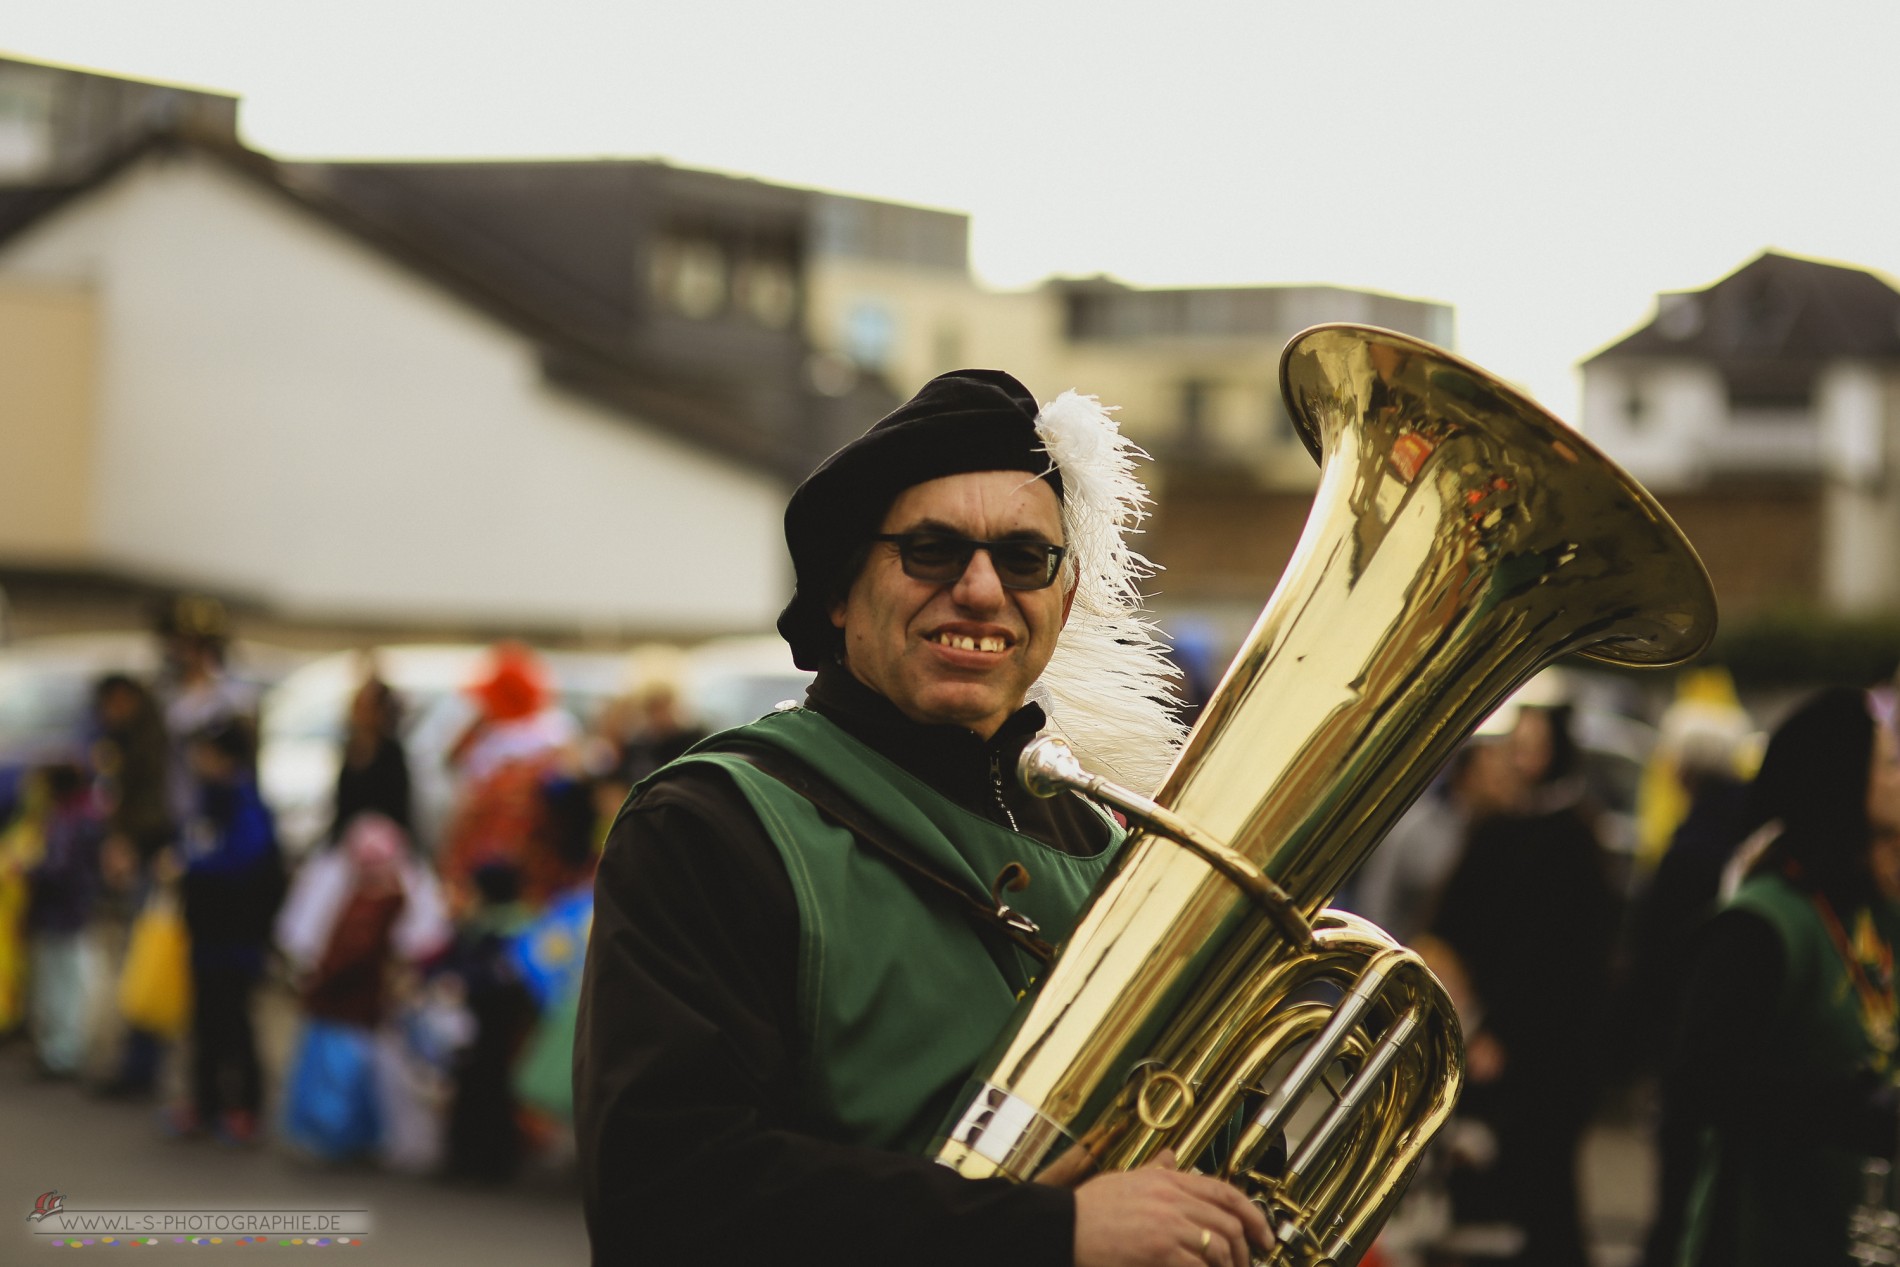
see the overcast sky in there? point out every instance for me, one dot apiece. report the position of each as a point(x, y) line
point(1545, 167)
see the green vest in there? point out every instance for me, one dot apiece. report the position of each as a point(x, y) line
point(1791, 1204)
point(899, 993)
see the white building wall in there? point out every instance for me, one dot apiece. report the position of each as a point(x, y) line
point(1685, 435)
point(286, 412)
point(1858, 411)
point(1680, 417)
point(1849, 408)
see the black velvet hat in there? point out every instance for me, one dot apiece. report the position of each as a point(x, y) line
point(963, 421)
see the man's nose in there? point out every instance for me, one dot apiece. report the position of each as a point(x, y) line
point(979, 588)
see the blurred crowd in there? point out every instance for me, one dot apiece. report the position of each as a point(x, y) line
point(149, 913)
point(1594, 980)
point(151, 917)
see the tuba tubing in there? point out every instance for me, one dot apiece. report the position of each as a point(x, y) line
point(1462, 538)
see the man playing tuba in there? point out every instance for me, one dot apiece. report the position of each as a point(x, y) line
point(810, 929)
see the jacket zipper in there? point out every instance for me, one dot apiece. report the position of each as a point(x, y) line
point(996, 783)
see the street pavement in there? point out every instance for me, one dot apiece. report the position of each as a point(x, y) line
point(104, 1154)
point(1618, 1175)
point(54, 1136)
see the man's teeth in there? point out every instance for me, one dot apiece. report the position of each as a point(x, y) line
point(963, 642)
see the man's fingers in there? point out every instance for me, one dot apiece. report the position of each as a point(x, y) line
point(1254, 1225)
point(1233, 1234)
point(1159, 1216)
point(1247, 1218)
point(1226, 1243)
point(1235, 1225)
point(1213, 1250)
point(1239, 1252)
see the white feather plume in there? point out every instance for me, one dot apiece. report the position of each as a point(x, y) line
point(1109, 688)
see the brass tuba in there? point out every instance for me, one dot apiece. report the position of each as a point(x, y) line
point(1462, 538)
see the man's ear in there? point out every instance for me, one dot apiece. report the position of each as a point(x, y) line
point(854, 568)
point(1068, 601)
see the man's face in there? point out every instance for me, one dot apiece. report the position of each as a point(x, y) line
point(117, 704)
point(1491, 782)
point(211, 764)
point(898, 631)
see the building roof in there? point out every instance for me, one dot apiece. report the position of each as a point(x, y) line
point(558, 250)
point(18, 203)
point(59, 119)
point(1773, 323)
point(1103, 308)
point(113, 76)
point(560, 237)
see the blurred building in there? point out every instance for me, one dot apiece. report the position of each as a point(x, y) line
point(395, 397)
point(224, 376)
point(538, 396)
point(1764, 412)
point(1194, 373)
point(55, 121)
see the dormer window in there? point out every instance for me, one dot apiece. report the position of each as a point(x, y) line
point(690, 276)
point(26, 125)
point(768, 291)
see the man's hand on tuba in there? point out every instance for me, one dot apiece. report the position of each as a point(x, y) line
point(1159, 1215)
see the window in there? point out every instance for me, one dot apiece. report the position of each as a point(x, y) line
point(870, 334)
point(26, 124)
point(768, 290)
point(1196, 414)
point(690, 276)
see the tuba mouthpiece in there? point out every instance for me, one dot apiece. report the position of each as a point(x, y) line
point(1048, 766)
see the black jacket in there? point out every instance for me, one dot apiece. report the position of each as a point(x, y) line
point(687, 1049)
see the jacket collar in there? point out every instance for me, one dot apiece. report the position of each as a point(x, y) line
point(951, 758)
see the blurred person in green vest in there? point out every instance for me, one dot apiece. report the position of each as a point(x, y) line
point(1703, 750)
point(1790, 1030)
point(780, 1010)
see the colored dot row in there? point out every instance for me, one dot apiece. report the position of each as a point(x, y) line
point(104, 1242)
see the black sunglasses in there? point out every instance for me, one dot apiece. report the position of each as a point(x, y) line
point(941, 559)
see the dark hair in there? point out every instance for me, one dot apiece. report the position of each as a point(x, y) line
point(570, 818)
point(110, 682)
point(1813, 780)
point(231, 737)
point(1566, 758)
point(498, 882)
point(115, 683)
point(388, 705)
point(837, 589)
point(63, 778)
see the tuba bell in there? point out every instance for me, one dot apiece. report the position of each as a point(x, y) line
point(1462, 538)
